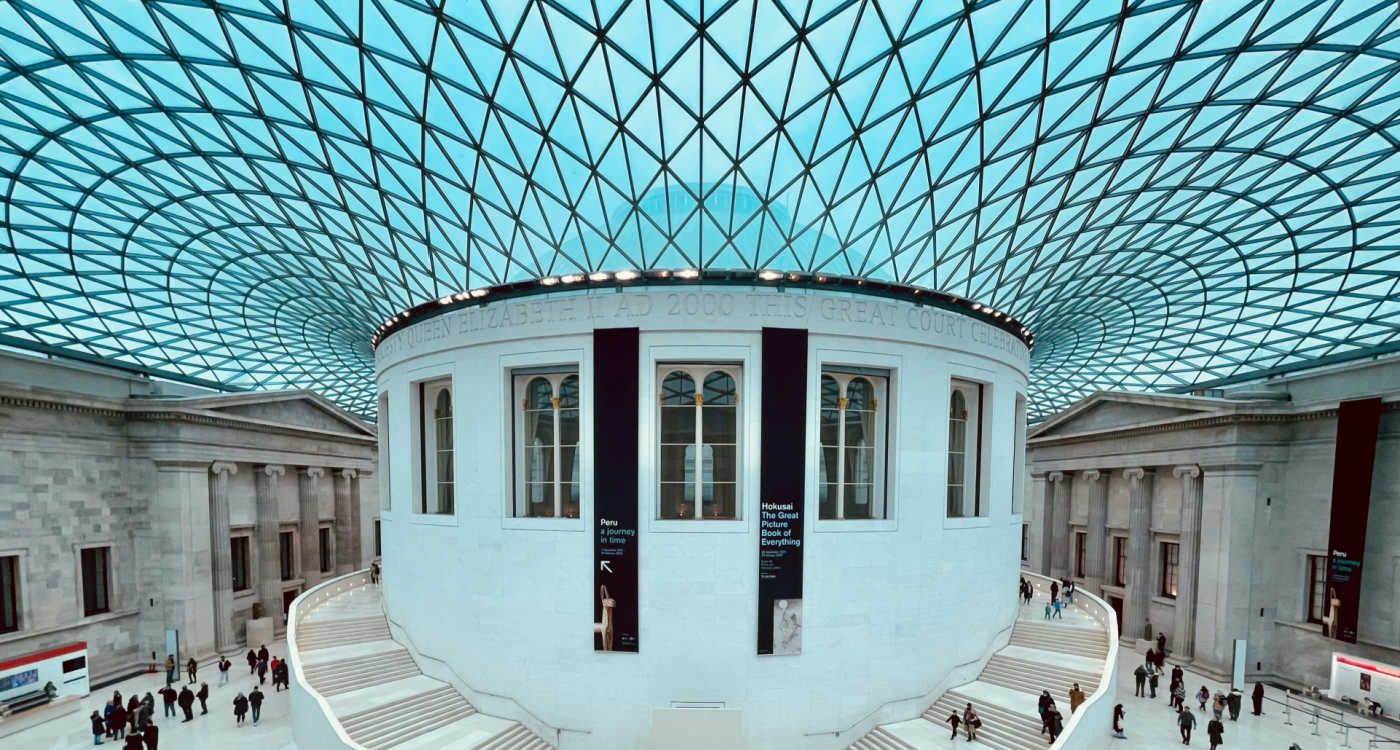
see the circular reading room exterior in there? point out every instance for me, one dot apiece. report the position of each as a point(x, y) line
point(756, 508)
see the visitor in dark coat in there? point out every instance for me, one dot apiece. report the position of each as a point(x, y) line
point(1161, 645)
point(151, 735)
point(252, 661)
point(240, 707)
point(262, 671)
point(255, 700)
point(116, 722)
point(1216, 730)
point(133, 712)
point(133, 742)
point(191, 667)
point(168, 695)
point(262, 653)
point(99, 728)
point(1257, 698)
point(186, 701)
point(203, 695)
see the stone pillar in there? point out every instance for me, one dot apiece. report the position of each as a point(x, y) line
point(1045, 502)
point(1229, 498)
point(269, 554)
point(1059, 559)
point(309, 515)
point(345, 519)
point(174, 563)
point(1139, 552)
point(221, 554)
point(1097, 528)
point(1183, 629)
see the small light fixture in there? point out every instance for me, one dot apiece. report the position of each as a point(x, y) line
point(571, 278)
point(599, 276)
point(627, 275)
point(478, 293)
point(549, 280)
point(445, 300)
point(769, 275)
point(688, 273)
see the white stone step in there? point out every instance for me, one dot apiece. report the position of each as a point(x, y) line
point(462, 734)
point(348, 651)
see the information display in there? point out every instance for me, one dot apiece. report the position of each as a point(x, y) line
point(615, 393)
point(1357, 425)
point(783, 426)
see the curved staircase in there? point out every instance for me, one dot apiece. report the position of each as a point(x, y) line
point(375, 691)
point(1041, 655)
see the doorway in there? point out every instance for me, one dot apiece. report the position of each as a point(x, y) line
point(287, 597)
point(1116, 602)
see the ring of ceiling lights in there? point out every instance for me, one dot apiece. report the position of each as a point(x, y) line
point(1167, 194)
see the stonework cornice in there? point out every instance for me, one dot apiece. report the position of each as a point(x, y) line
point(180, 464)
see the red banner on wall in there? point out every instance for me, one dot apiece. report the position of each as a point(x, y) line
point(1358, 423)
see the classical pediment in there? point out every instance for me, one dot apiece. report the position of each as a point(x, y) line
point(1107, 411)
point(292, 408)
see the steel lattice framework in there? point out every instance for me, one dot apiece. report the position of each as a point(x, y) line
point(240, 192)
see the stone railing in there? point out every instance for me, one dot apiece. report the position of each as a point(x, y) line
point(313, 722)
point(1090, 727)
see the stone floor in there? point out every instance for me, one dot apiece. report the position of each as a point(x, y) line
point(216, 731)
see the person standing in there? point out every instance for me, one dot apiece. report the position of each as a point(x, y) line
point(186, 702)
point(1048, 609)
point(169, 668)
point(1054, 590)
point(1257, 698)
point(224, 666)
point(262, 653)
point(168, 695)
point(1185, 720)
point(1118, 722)
point(133, 742)
point(1216, 731)
point(255, 700)
point(284, 675)
point(1218, 706)
point(191, 667)
point(971, 721)
point(1179, 696)
point(1140, 680)
point(252, 661)
point(99, 728)
point(1058, 607)
point(952, 719)
point(262, 671)
point(374, 573)
point(116, 722)
point(202, 696)
point(272, 667)
point(1076, 698)
point(1152, 678)
point(1202, 696)
point(133, 712)
point(147, 711)
point(1055, 722)
point(1235, 701)
point(1161, 644)
point(240, 707)
point(151, 734)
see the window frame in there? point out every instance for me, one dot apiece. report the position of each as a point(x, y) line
point(882, 380)
point(699, 369)
point(378, 538)
point(1025, 542)
point(422, 406)
point(288, 567)
point(247, 539)
point(1120, 560)
point(1081, 543)
point(975, 465)
point(1312, 587)
point(520, 378)
point(109, 582)
point(15, 597)
point(1168, 568)
point(325, 548)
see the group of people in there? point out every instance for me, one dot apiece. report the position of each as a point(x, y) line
point(262, 664)
point(1154, 665)
point(132, 722)
point(1051, 721)
point(969, 720)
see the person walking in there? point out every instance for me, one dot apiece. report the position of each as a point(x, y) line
point(1234, 701)
point(1076, 697)
point(971, 722)
point(255, 700)
point(1185, 720)
point(1140, 680)
point(224, 666)
point(106, 717)
point(191, 667)
point(151, 734)
point(240, 707)
point(202, 696)
point(1043, 705)
point(1178, 674)
point(374, 573)
point(1202, 696)
point(1179, 696)
point(99, 728)
point(1058, 609)
point(148, 710)
point(954, 720)
point(169, 668)
point(1048, 609)
point(284, 675)
point(1152, 677)
point(1257, 698)
point(186, 701)
point(262, 671)
point(168, 695)
point(1161, 644)
point(1218, 705)
point(272, 668)
point(1216, 731)
point(1055, 723)
point(262, 653)
point(252, 661)
point(1054, 590)
point(1118, 722)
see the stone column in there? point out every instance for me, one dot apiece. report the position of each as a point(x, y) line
point(269, 554)
point(1229, 499)
point(1139, 552)
point(1059, 560)
point(172, 559)
point(1097, 528)
point(1045, 502)
point(221, 554)
point(1183, 629)
point(345, 519)
point(309, 514)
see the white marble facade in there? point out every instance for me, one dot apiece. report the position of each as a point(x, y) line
point(1241, 481)
point(165, 476)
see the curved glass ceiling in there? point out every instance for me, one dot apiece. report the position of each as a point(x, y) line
point(1166, 193)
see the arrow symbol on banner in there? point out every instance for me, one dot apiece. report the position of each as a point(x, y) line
point(604, 566)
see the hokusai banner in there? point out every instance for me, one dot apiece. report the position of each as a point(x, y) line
point(781, 482)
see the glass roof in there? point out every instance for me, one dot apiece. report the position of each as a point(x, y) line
point(1166, 193)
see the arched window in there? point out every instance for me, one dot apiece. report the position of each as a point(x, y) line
point(699, 442)
point(965, 450)
point(546, 451)
point(434, 447)
point(852, 433)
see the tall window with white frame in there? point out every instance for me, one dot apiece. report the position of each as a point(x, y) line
point(239, 562)
point(853, 434)
point(965, 417)
point(1317, 588)
point(1171, 565)
point(96, 564)
point(699, 441)
point(9, 593)
point(546, 443)
point(435, 485)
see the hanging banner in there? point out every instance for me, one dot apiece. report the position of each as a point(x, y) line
point(783, 425)
point(615, 394)
point(1358, 423)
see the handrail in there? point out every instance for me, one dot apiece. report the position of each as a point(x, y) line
point(558, 731)
point(891, 702)
point(1110, 665)
point(302, 606)
point(1316, 713)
